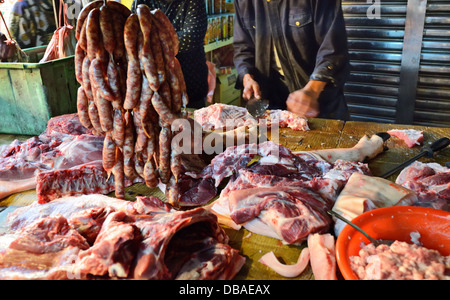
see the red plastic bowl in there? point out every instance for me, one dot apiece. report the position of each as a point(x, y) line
point(394, 223)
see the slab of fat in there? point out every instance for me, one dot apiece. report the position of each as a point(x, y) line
point(363, 193)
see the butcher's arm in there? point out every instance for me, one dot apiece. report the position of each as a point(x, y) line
point(244, 48)
point(332, 62)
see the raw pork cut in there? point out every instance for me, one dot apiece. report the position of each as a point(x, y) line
point(363, 193)
point(273, 192)
point(229, 117)
point(64, 144)
point(269, 259)
point(66, 159)
point(431, 183)
point(97, 235)
point(410, 136)
point(223, 117)
point(285, 119)
point(323, 256)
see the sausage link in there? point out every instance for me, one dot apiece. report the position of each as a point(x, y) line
point(131, 30)
point(164, 154)
point(166, 43)
point(162, 109)
point(172, 192)
point(105, 112)
point(175, 91)
point(118, 24)
point(151, 180)
point(134, 84)
point(109, 153)
point(141, 137)
point(95, 119)
point(114, 82)
point(95, 47)
point(82, 108)
point(86, 83)
point(79, 57)
point(139, 165)
point(180, 75)
point(107, 29)
point(83, 39)
point(83, 15)
point(164, 20)
point(99, 80)
point(118, 131)
point(134, 75)
point(119, 176)
point(155, 75)
point(145, 102)
point(128, 149)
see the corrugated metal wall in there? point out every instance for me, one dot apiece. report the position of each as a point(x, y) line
point(376, 50)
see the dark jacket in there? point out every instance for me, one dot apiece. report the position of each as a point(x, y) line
point(189, 19)
point(311, 42)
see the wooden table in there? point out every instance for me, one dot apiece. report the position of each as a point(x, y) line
point(323, 134)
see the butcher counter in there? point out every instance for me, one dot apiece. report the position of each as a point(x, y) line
point(324, 134)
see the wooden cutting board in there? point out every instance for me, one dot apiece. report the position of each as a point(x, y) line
point(323, 134)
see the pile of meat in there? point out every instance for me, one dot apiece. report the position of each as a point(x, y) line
point(273, 192)
point(95, 236)
point(229, 117)
point(132, 90)
point(430, 182)
point(400, 261)
point(66, 159)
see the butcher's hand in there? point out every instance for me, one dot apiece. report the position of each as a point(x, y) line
point(305, 102)
point(251, 88)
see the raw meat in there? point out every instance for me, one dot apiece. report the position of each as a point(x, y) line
point(83, 179)
point(322, 256)
point(363, 193)
point(229, 117)
point(107, 237)
point(64, 144)
point(223, 117)
point(113, 251)
point(269, 259)
point(410, 136)
point(275, 193)
point(285, 119)
point(65, 160)
point(47, 235)
point(366, 149)
point(431, 183)
point(400, 261)
point(187, 245)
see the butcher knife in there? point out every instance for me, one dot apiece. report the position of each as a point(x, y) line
point(427, 151)
point(257, 107)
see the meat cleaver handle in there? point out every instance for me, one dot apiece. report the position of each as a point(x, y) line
point(426, 151)
point(384, 135)
point(436, 146)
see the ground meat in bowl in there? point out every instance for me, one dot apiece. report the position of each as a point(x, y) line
point(400, 261)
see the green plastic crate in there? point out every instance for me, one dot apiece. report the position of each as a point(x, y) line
point(32, 93)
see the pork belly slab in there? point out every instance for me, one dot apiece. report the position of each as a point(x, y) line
point(93, 236)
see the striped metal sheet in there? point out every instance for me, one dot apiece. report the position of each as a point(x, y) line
point(432, 105)
point(376, 49)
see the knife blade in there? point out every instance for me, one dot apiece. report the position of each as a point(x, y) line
point(257, 107)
